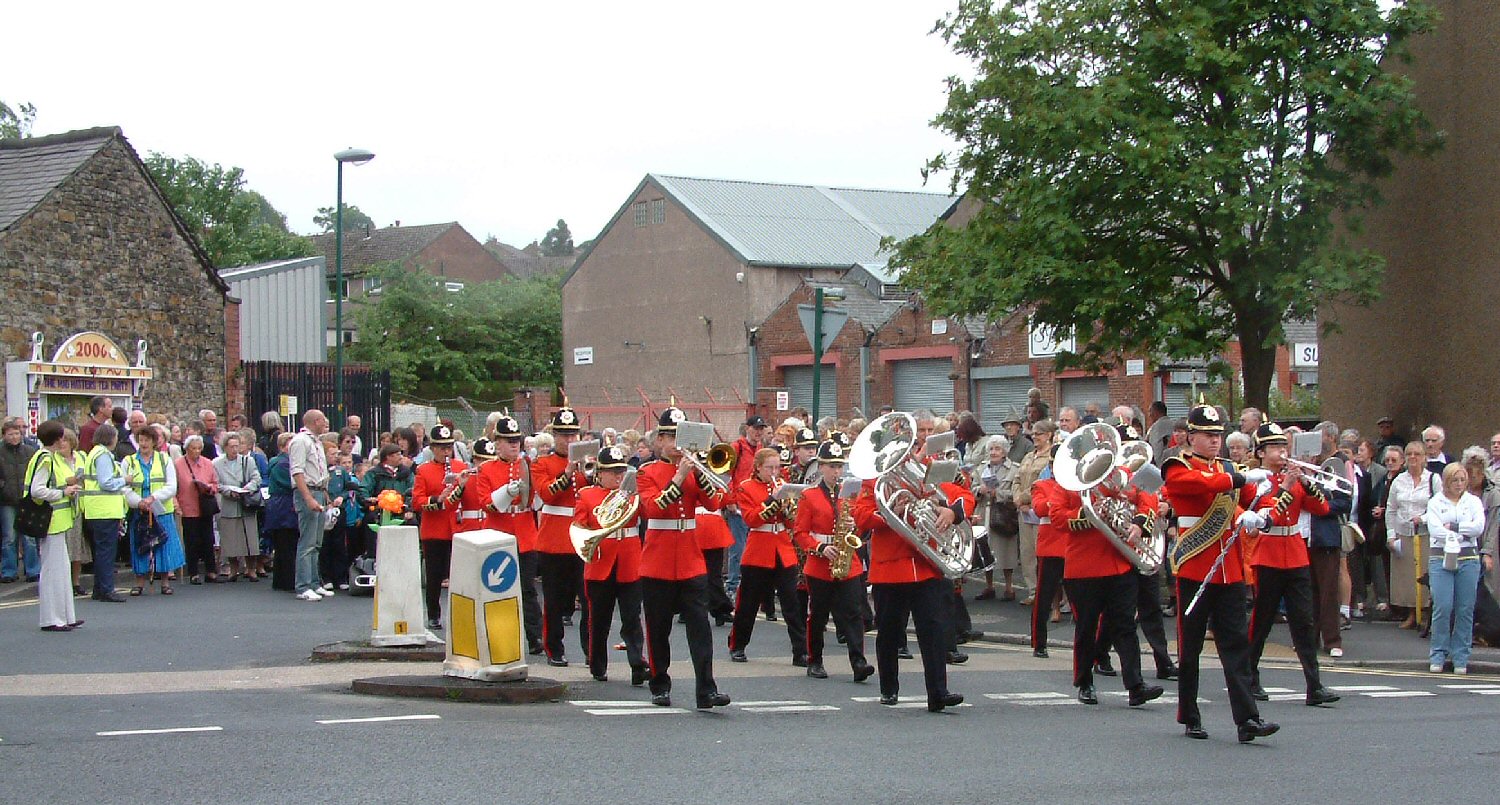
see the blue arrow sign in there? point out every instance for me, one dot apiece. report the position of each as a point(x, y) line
point(499, 571)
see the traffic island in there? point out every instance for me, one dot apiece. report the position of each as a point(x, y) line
point(532, 690)
point(363, 651)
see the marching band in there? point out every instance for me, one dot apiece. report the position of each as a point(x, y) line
point(833, 523)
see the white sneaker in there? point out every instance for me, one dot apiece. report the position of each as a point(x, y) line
point(1461, 670)
point(323, 592)
point(328, 586)
point(309, 595)
point(343, 586)
point(1435, 668)
point(1335, 652)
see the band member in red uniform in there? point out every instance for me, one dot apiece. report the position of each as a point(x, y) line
point(435, 493)
point(804, 450)
point(612, 574)
point(1051, 553)
point(505, 484)
point(555, 481)
point(1101, 585)
point(770, 562)
point(1203, 490)
point(744, 453)
point(815, 530)
point(673, 576)
point(904, 583)
point(1281, 563)
point(714, 538)
point(471, 506)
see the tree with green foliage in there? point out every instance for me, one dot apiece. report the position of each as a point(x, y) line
point(559, 241)
point(1163, 176)
point(235, 226)
point(505, 330)
point(15, 122)
point(353, 219)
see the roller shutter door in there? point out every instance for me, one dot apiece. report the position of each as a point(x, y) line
point(799, 381)
point(1080, 391)
point(1176, 397)
point(923, 383)
point(999, 398)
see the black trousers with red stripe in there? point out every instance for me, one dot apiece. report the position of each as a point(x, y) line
point(1295, 585)
point(1223, 607)
point(1049, 576)
point(602, 597)
point(925, 603)
point(755, 583)
point(531, 608)
point(719, 604)
point(661, 599)
point(1104, 608)
point(841, 599)
point(437, 556)
point(562, 582)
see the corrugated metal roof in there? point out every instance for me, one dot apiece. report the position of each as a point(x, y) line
point(1300, 331)
point(805, 225)
point(239, 273)
point(32, 168)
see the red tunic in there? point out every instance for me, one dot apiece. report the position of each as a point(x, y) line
point(672, 553)
point(1089, 554)
point(893, 560)
point(1052, 534)
point(619, 552)
point(472, 509)
point(427, 488)
point(816, 513)
point(518, 520)
point(713, 532)
point(1192, 483)
point(770, 536)
point(1281, 545)
point(557, 503)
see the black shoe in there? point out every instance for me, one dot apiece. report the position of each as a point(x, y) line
point(1256, 728)
point(771, 616)
point(435, 624)
point(1140, 694)
point(720, 620)
point(962, 638)
point(1321, 696)
point(638, 676)
point(800, 662)
point(1169, 672)
point(195, 580)
point(601, 677)
point(567, 620)
point(113, 598)
point(948, 700)
point(1087, 695)
point(7, 579)
point(1039, 652)
point(816, 671)
point(888, 698)
point(904, 653)
point(79, 591)
point(863, 671)
point(1105, 669)
point(840, 637)
point(738, 656)
point(661, 699)
point(957, 658)
point(713, 700)
point(35, 579)
point(1259, 694)
point(1196, 732)
point(535, 649)
point(557, 662)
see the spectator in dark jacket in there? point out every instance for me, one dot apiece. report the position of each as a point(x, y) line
point(1326, 555)
point(14, 456)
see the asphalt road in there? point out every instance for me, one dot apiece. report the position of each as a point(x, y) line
point(228, 664)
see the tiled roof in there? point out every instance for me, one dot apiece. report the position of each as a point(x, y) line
point(31, 168)
point(862, 306)
point(1300, 331)
point(363, 249)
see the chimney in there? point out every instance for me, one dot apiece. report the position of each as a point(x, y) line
point(367, 231)
point(398, 222)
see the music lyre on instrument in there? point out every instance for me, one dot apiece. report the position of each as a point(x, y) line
point(581, 453)
point(718, 459)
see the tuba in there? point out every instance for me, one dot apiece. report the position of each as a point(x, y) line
point(1093, 463)
point(907, 494)
point(612, 513)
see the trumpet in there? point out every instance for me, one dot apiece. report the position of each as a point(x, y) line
point(1323, 475)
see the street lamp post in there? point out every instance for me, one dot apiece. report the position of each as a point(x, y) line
point(357, 156)
point(819, 297)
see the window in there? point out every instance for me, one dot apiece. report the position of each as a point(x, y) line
point(333, 289)
point(453, 287)
point(372, 285)
point(658, 210)
point(640, 213)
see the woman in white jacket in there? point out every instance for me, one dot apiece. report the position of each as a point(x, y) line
point(1405, 516)
point(1455, 519)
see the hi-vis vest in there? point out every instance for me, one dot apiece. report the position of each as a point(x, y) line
point(97, 503)
point(62, 510)
point(132, 466)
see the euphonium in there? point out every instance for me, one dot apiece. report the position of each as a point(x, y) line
point(1092, 463)
point(612, 514)
point(845, 542)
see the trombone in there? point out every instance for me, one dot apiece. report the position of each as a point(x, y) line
point(1324, 476)
point(712, 460)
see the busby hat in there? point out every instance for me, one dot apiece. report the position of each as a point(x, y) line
point(484, 450)
point(440, 436)
point(506, 427)
point(669, 419)
point(565, 420)
point(1269, 433)
point(807, 437)
point(613, 458)
point(1204, 419)
point(785, 453)
point(832, 452)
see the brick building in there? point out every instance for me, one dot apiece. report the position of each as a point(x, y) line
point(96, 266)
point(446, 251)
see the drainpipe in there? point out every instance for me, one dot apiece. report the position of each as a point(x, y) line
point(864, 374)
point(751, 351)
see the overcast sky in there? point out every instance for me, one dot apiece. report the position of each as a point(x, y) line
point(504, 119)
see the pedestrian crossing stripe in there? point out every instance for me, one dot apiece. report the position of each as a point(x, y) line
point(633, 711)
point(1396, 694)
point(1361, 688)
point(792, 708)
point(1011, 697)
point(1476, 687)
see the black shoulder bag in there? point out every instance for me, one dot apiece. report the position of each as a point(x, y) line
point(33, 517)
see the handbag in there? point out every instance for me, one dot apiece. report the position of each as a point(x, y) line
point(149, 534)
point(34, 517)
point(249, 500)
point(208, 502)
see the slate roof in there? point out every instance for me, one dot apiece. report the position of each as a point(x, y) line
point(31, 168)
point(1300, 331)
point(391, 243)
point(861, 305)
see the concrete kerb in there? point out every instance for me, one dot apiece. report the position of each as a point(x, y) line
point(361, 651)
point(533, 690)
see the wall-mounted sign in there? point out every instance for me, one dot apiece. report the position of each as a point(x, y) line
point(583, 356)
point(1045, 342)
point(1135, 368)
point(783, 401)
point(1305, 354)
point(939, 326)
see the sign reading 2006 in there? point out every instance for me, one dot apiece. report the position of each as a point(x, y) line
point(499, 571)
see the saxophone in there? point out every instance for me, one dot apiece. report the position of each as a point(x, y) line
point(845, 542)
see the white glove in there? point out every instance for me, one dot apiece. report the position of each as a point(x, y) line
point(1251, 521)
point(1257, 475)
point(514, 487)
point(502, 497)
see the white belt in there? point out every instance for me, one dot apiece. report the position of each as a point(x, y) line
point(770, 528)
point(471, 515)
point(561, 511)
point(670, 525)
point(1187, 522)
point(702, 511)
point(1044, 521)
point(1283, 531)
point(823, 539)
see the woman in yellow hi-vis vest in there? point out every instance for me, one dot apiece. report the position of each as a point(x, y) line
point(50, 480)
point(150, 492)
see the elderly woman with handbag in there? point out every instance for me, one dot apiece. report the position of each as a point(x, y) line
point(198, 502)
point(239, 499)
point(51, 482)
point(151, 492)
point(1405, 517)
point(993, 489)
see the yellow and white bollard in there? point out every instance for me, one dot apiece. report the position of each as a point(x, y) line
point(400, 617)
point(485, 640)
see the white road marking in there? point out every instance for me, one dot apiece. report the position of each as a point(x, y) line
point(1035, 702)
point(1474, 686)
point(1397, 694)
point(1012, 697)
point(1287, 697)
point(769, 703)
point(115, 733)
point(606, 703)
point(1360, 688)
point(373, 719)
point(792, 708)
point(1486, 692)
point(634, 711)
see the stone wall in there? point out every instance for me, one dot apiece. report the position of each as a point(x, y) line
point(102, 253)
